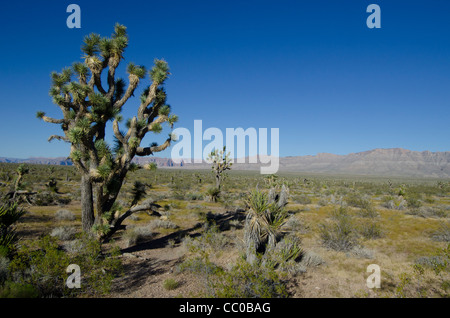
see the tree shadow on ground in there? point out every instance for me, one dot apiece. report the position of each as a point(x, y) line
point(221, 220)
point(137, 272)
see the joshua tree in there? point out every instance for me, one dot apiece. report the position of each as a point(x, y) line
point(88, 104)
point(21, 171)
point(220, 163)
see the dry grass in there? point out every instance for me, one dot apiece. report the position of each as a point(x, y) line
point(406, 237)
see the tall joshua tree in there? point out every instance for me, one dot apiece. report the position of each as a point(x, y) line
point(88, 104)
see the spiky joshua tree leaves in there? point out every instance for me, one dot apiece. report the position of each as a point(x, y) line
point(265, 219)
point(88, 104)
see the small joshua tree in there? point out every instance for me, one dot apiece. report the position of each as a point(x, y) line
point(21, 171)
point(221, 162)
point(88, 104)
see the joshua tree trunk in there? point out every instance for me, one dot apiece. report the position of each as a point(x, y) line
point(87, 204)
point(218, 181)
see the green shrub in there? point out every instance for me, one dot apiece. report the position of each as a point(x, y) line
point(170, 284)
point(194, 196)
point(137, 234)
point(428, 212)
point(45, 199)
point(340, 234)
point(301, 199)
point(42, 264)
point(17, 290)
point(358, 201)
point(442, 234)
point(249, 281)
point(163, 224)
point(371, 230)
point(413, 201)
point(64, 233)
point(64, 215)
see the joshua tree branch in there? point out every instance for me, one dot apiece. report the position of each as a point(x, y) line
point(53, 120)
point(147, 151)
point(134, 81)
point(58, 137)
point(148, 204)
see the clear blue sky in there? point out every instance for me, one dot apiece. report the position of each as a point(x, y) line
point(311, 68)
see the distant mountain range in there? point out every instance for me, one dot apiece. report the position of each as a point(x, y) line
point(382, 162)
point(63, 161)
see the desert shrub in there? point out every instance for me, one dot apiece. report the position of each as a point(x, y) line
point(134, 217)
point(436, 261)
point(179, 188)
point(137, 234)
point(162, 224)
point(249, 281)
point(368, 212)
point(212, 240)
point(42, 264)
point(64, 233)
point(294, 224)
point(339, 234)
point(331, 200)
point(63, 200)
point(428, 212)
point(194, 207)
point(64, 215)
point(171, 284)
point(428, 271)
point(45, 199)
point(429, 199)
point(358, 201)
point(171, 243)
point(311, 259)
point(16, 290)
point(200, 265)
point(413, 201)
point(194, 196)
point(442, 234)
point(371, 230)
point(4, 263)
point(394, 203)
point(301, 199)
point(361, 252)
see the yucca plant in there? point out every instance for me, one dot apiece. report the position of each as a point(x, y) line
point(9, 214)
point(213, 194)
point(265, 219)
